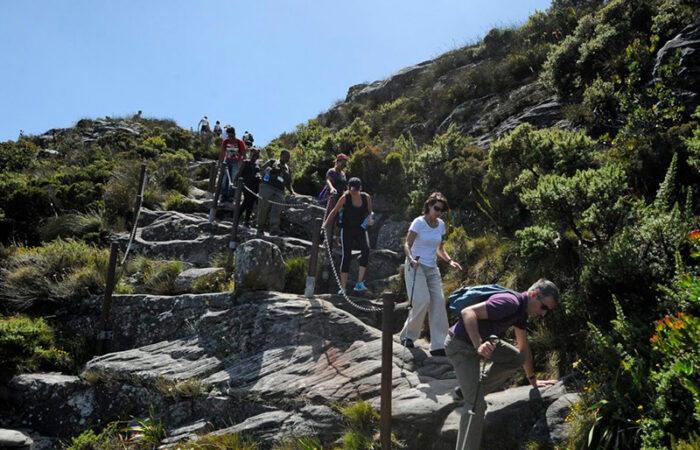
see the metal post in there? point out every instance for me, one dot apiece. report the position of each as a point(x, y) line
point(105, 334)
point(212, 180)
point(236, 215)
point(387, 363)
point(313, 259)
point(217, 192)
point(139, 193)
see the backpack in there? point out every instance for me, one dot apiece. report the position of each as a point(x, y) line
point(472, 295)
point(323, 195)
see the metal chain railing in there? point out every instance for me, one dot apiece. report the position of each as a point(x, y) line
point(289, 205)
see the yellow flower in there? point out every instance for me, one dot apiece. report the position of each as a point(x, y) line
point(640, 407)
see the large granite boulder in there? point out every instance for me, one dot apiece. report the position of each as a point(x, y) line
point(392, 234)
point(13, 439)
point(259, 266)
point(687, 80)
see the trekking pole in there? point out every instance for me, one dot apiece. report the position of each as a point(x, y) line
point(410, 307)
point(493, 339)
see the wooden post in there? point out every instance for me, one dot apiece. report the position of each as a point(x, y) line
point(313, 259)
point(217, 192)
point(387, 364)
point(105, 333)
point(137, 205)
point(236, 215)
point(212, 180)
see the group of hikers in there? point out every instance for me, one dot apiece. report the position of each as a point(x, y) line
point(481, 360)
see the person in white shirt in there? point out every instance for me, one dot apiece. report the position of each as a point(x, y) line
point(423, 281)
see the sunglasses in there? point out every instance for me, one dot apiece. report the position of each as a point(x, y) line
point(544, 307)
point(438, 208)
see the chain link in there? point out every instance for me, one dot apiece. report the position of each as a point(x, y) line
point(289, 205)
point(335, 274)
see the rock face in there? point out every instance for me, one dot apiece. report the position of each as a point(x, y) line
point(12, 439)
point(389, 88)
point(391, 235)
point(191, 238)
point(259, 266)
point(183, 283)
point(272, 365)
point(687, 80)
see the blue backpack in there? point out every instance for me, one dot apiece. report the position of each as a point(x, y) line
point(472, 295)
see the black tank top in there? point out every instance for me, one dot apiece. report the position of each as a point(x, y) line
point(353, 216)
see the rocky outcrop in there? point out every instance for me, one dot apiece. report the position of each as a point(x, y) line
point(186, 279)
point(686, 83)
point(389, 88)
point(193, 239)
point(392, 234)
point(272, 365)
point(13, 439)
point(259, 266)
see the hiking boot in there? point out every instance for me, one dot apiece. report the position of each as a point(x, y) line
point(260, 233)
point(275, 231)
point(408, 343)
point(360, 287)
point(438, 352)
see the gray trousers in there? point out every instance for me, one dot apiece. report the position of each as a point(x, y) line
point(505, 360)
point(427, 298)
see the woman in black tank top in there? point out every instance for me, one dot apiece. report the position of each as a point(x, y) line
point(357, 215)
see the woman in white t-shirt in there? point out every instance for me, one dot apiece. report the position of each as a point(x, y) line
point(423, 244)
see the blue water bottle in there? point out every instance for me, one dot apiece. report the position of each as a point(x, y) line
point(365, 222)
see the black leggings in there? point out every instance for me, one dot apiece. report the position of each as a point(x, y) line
point(248, 203)
point(349, 237)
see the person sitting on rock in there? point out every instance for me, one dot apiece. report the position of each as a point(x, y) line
point(422, 275)
point(467, 343)
point(277, 176)
point(217, 129)
point(232, 153)
point(357, 215)
point(250, 173)
point(336, 183)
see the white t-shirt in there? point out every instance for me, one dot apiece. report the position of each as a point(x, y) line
point(427, 240)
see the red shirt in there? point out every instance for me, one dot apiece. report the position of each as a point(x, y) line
point(233, 149)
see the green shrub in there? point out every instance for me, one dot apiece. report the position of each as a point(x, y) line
point(107, 439)
point(120, 193)
point(362, 421)
point(295, 272)
point(28, 344)
point(60, 271)
point(71, 225)
point(299, 443)
point(226, 441)
point(16, 156)
point(158, 276)
point(215, 282)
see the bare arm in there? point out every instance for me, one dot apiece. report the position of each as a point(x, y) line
point(410, 239)
point(369, 208)
point(331, 215)
point(471, 316)
point(442, 253)
point(528, 365)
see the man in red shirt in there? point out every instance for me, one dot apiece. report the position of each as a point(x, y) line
point(232, 153)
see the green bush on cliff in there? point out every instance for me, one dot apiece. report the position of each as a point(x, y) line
point(28, 344)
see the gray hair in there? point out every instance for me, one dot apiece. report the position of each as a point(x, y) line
point(545, 288)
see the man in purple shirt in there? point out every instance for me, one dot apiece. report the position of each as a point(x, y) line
point(467, 342)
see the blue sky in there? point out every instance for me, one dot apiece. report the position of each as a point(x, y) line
point(263, 65)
